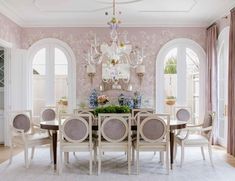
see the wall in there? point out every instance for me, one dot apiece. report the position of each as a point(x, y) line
point(78, 39)
point(223, 22)
point(9, 31)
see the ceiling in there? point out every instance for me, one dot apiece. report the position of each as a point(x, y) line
point(133, 13)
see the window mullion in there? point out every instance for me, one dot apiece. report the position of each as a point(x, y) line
point(181, 76)
point(50, 75)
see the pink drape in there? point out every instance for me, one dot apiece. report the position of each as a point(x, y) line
point(231, 87)
point(211, 69)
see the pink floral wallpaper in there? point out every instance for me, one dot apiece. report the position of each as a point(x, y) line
point(9, 31)
point(150, 38)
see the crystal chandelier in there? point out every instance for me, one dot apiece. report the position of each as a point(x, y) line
point(118, 52)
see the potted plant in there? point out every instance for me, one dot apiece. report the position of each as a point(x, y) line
point(170, 100)
point(63, 101)
point(171, 66)
point(112, 109)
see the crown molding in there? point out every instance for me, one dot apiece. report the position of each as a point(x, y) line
point(223, 14)
point(126, 25)
point(10, 13)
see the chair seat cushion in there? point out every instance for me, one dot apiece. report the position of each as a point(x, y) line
point(33, 138)
point(192, 139)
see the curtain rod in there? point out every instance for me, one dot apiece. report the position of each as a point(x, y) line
point(211, 25)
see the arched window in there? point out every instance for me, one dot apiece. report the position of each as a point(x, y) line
point(53, 76)
point(179, 72)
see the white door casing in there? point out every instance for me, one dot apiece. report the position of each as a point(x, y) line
point(223, 53)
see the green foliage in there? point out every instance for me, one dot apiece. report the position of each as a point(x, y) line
point(112, 109)
point(170, 67)
point(170, 97)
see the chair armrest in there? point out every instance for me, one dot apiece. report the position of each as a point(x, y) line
point(36, 124)
point(193, 126)
point(15, 130)
point(207, 129)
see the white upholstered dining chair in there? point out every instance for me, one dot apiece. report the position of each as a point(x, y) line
point(49, 113)
point(24, 133)
point(152, 135)
point(114, 135)
point(86, 111)
point(183, 113)
point(76, 136)
point(197, 136)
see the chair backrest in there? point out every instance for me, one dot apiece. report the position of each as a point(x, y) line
point(89, 112)
point(183, 113)
point(136, 111)
point(154, 128)
point(48, 114)
point(208, 123)
point(75, 129)
point(141, 117)
point(114, 128)
point(21, 120)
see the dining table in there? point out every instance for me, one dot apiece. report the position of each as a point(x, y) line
point(53, 127)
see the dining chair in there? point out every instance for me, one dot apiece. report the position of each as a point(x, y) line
point(94, 122)
point(136, 111)
point(76, 136)
point(25, 133)
point(49, 113)
point(183, 113)
point(152, 135)
point(197, 136)
point(86, 111)
point(114, 135)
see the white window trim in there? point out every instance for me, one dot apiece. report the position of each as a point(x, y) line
point(67, 50)
point(7, 88)
point(223, 41)
point(159, 73)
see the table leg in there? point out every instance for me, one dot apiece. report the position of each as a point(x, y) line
point(54, 145)
point(172, 136)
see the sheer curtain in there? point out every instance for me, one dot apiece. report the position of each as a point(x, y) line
point(231, 87)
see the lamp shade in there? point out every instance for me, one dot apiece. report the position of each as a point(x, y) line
point(90, 69)
point(140, 69)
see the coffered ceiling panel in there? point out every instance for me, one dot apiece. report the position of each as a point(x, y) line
point(132, 12)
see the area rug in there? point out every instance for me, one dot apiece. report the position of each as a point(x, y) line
point(114, 168)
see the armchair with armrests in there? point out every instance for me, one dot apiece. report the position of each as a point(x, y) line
point(25, 133)
point(197, 136)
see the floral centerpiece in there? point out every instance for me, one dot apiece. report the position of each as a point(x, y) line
point(103, 99)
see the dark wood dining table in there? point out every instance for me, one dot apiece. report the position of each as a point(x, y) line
point(53, 126)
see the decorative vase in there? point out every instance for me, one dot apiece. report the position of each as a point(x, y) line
point(121, 99)
point(137, 100)
point(93, 103)
point(170, 102)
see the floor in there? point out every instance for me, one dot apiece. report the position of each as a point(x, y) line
point(114, 167)
point(5, 153)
